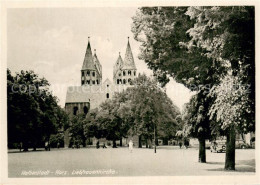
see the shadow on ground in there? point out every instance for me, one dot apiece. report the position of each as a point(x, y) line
point(241, 166)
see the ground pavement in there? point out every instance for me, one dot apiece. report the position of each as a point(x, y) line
point(168, 161)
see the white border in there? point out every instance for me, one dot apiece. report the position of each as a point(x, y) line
point(251, 179)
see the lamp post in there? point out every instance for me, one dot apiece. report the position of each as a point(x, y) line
point(154, 140)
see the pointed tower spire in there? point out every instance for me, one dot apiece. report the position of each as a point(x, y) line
point(97, 63)
point(129, 59)
point(88, 60)
point(118, 65)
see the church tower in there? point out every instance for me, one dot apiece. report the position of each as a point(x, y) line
point(125, 71)
point(91, 71)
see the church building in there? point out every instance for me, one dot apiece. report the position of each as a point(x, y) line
point(93, 91)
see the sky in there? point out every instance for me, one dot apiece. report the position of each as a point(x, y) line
point(53, 41)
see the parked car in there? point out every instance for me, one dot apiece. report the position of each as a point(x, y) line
point(218, 146)
point(240, 143)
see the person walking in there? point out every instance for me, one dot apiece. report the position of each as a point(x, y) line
point(131, 145)
point(180, 144)
point(97, 145)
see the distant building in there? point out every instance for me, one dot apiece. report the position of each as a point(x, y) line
point(93, 91)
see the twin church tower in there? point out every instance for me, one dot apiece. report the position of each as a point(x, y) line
point(124, 71)
point(93, 91)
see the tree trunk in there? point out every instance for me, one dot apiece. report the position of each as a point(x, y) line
point(114, 143)
point(202, 150)
point(230, 150)
point(140, 141)
point(165, 141)
point(146, 143)
point(150, 143)
point(25, 146)
point(121, 142)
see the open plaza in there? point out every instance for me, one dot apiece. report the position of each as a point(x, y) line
point(84, 162)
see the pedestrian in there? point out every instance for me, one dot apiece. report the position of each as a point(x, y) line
point(186, 143)
point(131, 145)
point(104, 145)
point(46, 145)
point(21, 146)
point(97, 145)
point(180, 144)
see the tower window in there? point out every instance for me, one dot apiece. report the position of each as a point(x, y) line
point(107, 95)
point(93, 82)
point(88, 81)
point(117, 81)
point(134, 73)
point(129, 80)
point(97, 82)
point(123, 73)
point(124, 81)
point(75, 110)
point(93, 74)
point(82, 82)
point(82, 73)
point(120, 81)
point(88, 73)
point(129, 72)
point(85, 110)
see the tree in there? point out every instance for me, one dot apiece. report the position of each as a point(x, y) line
point(197, 46)
point(152, 110)
point(77, 130)
point(227, 35)
point(33, 112)
point(163, 34)
point(196, 124)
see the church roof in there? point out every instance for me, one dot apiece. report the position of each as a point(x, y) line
point(79, 94)
point(129, 59)
point(88, 60)
point(97, 63)
point(118, 65)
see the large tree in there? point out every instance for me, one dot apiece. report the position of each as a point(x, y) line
point(33, 112)
point(227, 34)
point(163, 34)
point(197, 46)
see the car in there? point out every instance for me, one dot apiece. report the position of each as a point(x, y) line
point(240, 143)
point(218, 146)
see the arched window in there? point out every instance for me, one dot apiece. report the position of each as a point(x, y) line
point(93, 82)
point(129, 80)
point(97, 82)
point(120, 81)
point(93, 73)
point(134, 73)
point(123, 73)
point(85, 109)
point(107, 95)
point(82, 82)
point(124, 81)
point(82, 73)
point(75, 111)
point(129, 72)
point(117, 81)
point(88, 81)
point(88, 73)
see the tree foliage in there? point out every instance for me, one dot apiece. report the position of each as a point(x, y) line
point(33, 112)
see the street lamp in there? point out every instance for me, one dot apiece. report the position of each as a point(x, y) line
point(154, 140)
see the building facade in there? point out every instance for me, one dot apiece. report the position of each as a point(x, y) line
point(93, 91)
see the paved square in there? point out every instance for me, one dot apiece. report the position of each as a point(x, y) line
point(168, 161)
